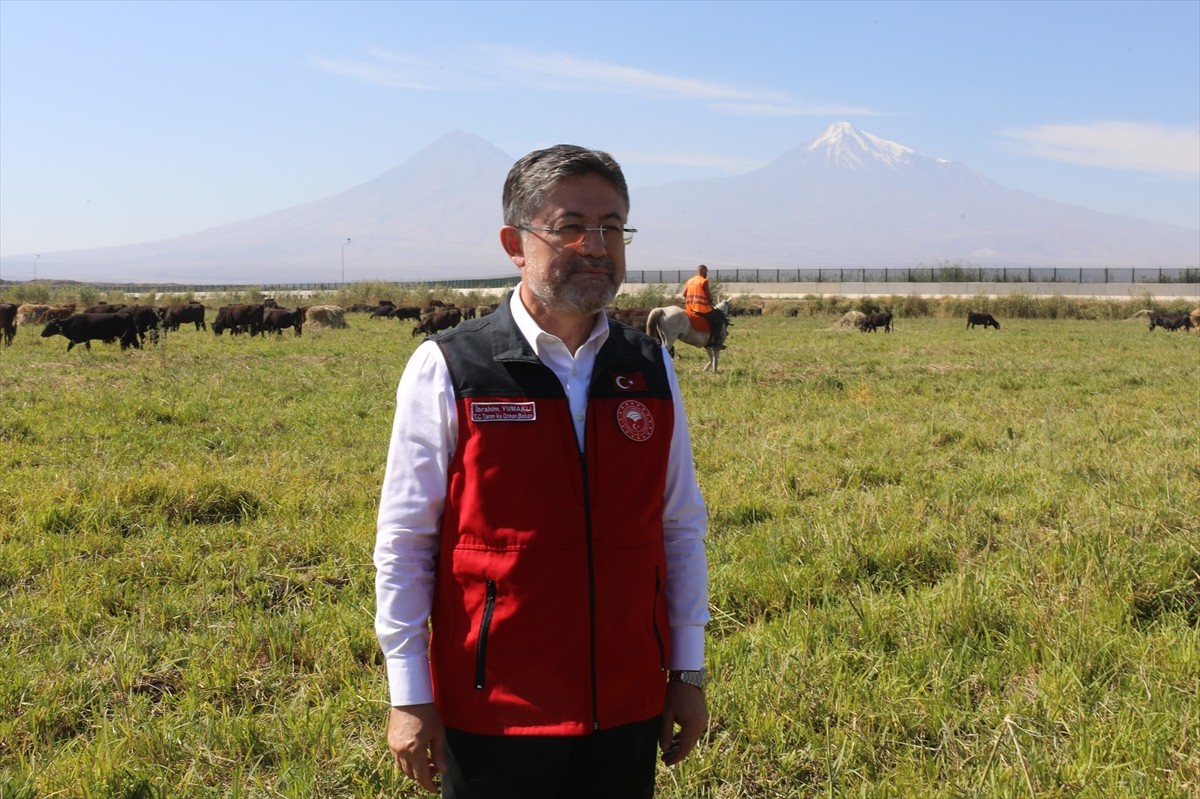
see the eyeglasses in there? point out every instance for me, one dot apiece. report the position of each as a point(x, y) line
point(574, 234)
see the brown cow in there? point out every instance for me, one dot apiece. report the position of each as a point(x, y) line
point(438, 320)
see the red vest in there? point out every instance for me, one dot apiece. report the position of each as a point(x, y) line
point(549, 613)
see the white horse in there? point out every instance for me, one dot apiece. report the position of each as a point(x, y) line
point(671, 323)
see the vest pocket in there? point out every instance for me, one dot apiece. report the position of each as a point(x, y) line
point(485, 623)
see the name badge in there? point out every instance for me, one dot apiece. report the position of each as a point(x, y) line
point(503, 411)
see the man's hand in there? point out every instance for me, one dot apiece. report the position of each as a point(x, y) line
point(687, 708)
point(418, 742)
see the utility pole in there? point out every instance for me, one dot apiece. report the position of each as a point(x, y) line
point(344, 261)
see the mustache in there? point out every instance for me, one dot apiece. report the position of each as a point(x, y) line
point(590, 262)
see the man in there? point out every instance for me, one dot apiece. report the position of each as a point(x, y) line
point(697, 298)
point(541, 575)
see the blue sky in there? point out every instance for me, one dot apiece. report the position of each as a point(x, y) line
point(122, 123)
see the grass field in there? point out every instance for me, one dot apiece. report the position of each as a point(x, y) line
point(944, 563)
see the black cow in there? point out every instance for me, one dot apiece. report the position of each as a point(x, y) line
point(83, 328)
point(873, 321)
point(1171, 321)
point(985, 319)
point(276, 319)
point(383, 311)
point(247, 318)
point(403, 312)
point(104, 307)
point(8, 321)
point(182, 313)
point(438, 320)
point(145, 319)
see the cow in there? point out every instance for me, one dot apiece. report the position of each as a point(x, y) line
point(438, 320)
point(383, 311)
point(1171, 321)
point(872, 321)
point(8, 321)
point(985, 319)
point(34, 314)
point(145, 319)
point(104, 307)
point(403, 312)
point(245, 318)
point(182, 313)
point(87, 327)
point(750, 310)
point(276, 319)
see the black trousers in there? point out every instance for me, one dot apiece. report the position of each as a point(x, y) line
point(608, 764)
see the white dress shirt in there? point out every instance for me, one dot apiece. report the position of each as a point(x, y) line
point(424, 436)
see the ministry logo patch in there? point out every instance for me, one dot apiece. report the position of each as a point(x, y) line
point(635, 420)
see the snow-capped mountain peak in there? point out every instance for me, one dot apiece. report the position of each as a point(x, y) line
point(842, 143)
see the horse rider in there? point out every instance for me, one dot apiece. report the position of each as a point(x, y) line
point(697, 298)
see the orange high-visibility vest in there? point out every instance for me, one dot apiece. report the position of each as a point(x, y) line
point(696, 296)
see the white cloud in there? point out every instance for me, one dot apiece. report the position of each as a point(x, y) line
point(570, 72)
point(732, 166)
point(505, 66)
point(793, 110)
point(1116, 145)
point(374, 74)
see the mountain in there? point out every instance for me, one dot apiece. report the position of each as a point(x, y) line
point(434, 216)
point(846, 198)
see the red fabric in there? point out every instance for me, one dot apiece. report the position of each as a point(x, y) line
point(540, 546)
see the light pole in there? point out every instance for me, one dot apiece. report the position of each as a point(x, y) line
point(35, 260)
point(344, 261)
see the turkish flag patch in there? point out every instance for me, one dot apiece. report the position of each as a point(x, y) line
point(629, 382)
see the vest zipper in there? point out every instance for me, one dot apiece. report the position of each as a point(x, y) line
point(485, 624)
point(662, 652)
point(587, 517)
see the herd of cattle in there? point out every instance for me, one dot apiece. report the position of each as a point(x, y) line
point(131, 325)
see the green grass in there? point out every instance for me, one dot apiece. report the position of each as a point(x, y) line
point(944, 563)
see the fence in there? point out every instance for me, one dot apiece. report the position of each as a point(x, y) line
point(952, 274)
point(671, 277)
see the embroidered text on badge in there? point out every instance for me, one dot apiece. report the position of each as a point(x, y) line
point(503, 411)
point(635, 420)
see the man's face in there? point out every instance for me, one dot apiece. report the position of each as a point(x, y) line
point(581, 277)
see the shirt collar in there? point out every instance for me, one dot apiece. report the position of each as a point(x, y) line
point(539, 338)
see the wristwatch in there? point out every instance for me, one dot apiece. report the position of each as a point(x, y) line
point(696, 677)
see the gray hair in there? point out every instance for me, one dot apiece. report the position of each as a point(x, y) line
point(537, 174)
